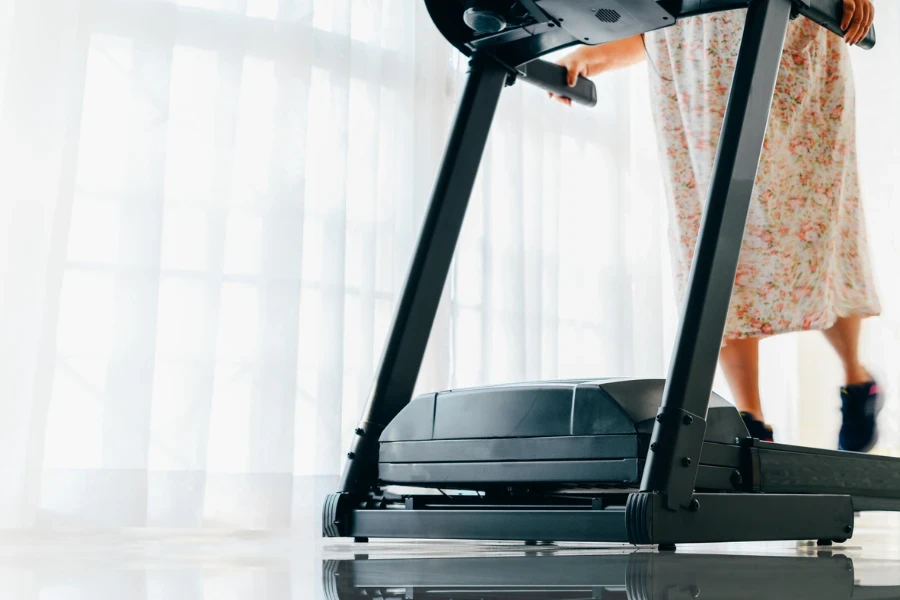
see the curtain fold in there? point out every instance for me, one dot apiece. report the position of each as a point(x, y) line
point(207, 209)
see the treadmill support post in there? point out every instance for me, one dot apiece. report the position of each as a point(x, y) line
point(671, 468)
point(408, 337)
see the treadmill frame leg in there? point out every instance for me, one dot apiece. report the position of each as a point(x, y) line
point(671, 469)
point(414, 318)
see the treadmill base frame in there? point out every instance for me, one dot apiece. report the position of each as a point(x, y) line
point(645, 519)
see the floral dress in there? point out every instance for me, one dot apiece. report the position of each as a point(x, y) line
point(804, 259)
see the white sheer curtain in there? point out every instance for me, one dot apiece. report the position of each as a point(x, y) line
point(207, 209)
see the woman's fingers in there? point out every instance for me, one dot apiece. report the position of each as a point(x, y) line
point(855, 14)
point(559, 99)
point(574, 68)
point(871, 18)
point(868, 13)
point(856, 30)
point(849, 9)
point(867, 23)
point(856, 22)
point(851, 32)
point(572, 74)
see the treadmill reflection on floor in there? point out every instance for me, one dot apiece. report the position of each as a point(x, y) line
point(632, 576)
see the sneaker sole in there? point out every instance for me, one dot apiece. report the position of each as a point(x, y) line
point(868, 447)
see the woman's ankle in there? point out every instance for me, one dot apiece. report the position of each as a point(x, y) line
point(857, 375)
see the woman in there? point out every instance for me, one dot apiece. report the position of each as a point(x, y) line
point(804, 262)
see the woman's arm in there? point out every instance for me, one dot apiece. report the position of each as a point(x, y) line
point(593, 60)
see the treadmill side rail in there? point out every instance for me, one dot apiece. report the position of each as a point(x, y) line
point(797, 470)
point(740, 518)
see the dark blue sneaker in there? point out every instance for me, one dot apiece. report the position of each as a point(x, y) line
point(859, 407)
point(757, 429)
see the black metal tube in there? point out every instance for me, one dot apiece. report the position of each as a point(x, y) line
point(408, 337)
point(693, 366)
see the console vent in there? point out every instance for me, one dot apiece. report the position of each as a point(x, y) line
point(607, 15)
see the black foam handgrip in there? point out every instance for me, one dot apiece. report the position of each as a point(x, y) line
point(829, 14)
point(552, 78)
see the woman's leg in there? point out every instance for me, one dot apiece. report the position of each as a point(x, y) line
point(844, 338)
point(740, 362)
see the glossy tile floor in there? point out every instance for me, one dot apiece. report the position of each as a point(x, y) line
point(126, 565)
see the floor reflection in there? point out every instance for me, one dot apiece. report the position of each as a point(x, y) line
point(147, 564)
point(631, 575)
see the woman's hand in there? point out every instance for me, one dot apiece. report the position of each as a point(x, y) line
point(584, 62)
point(589, 61)
point(858, 18)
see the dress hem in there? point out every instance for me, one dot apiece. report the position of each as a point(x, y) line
point(819, 326)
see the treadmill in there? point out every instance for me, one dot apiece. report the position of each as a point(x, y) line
point(645, 462)
point(619, 576)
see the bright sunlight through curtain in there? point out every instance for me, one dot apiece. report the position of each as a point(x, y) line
point(207, 208)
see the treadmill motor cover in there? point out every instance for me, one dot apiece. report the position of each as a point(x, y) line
point(581, 432)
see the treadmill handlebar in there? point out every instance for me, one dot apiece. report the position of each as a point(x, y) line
point(829, 14)
point(552, 78)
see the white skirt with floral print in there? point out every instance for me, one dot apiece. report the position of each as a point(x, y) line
point(804, 260)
